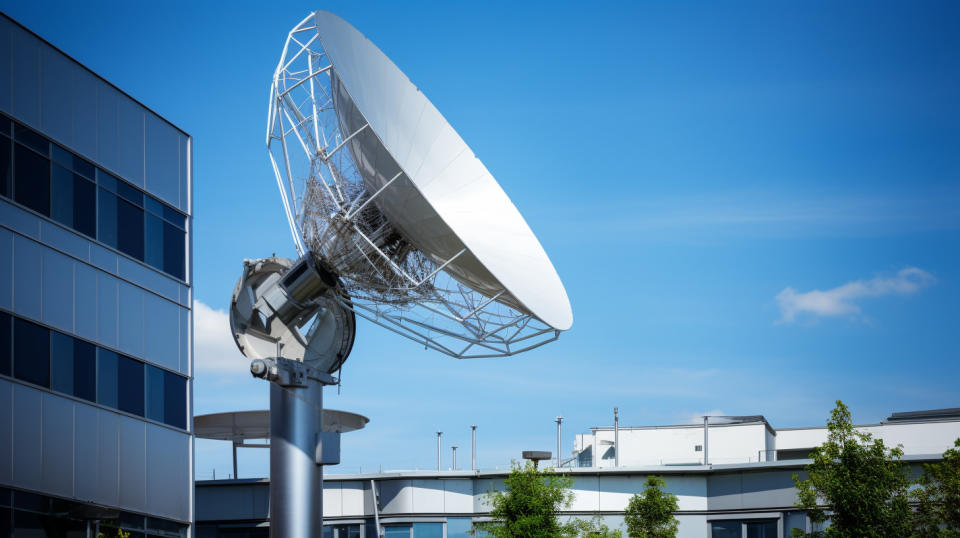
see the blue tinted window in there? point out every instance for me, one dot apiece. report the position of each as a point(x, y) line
point(30, 138)
point(174, 251)
point(6, 166)
point(154, 392)
point(6, 343)
point(61, 195)
point(428, 530)
point(84, 370)
point(459, 527)
point(31, 352)
point(107, 218)
point(84, 206)
point(397, 531)
point(31, 180)
point(106, 181)
point(175, 217)
point(61, 362)
point(726, 529)
point(73, 162)
point(174, 400)
point(130, 229)
point(130, 385)
point(130, 193)
point(107, 377)
point(153, 241)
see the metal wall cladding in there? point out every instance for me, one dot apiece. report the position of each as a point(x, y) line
point(71, 449)
point(76, 298)
point(50, 92)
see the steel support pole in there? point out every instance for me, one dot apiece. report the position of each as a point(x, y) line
point(473, 452)
point(559, 437)
point(296, 479)
point(453, 466)
point(235, 461)
point(616, 437)
point(439, 455)
point(706, 440)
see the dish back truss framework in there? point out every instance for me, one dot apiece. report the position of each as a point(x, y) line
point(334, 214)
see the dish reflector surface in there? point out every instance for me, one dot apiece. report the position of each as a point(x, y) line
point(445, 198)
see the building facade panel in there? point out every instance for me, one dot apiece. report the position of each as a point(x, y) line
point(86, 471)
point(27, 410)
point(6, 433)
point(458, 496)
point(58, 441)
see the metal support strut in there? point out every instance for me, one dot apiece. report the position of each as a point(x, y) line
point(298, 446)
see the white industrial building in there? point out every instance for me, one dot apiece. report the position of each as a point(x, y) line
point(745, 489)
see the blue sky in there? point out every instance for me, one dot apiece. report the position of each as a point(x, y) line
point(753, 205)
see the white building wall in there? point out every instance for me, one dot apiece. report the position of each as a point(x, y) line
point(916, 437)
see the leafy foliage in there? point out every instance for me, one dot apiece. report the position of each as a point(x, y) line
point(938, 497)
point(856, 483)
point(528, 508)
point(650, 515)
point(594, 528)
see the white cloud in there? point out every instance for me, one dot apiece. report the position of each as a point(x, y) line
point(214, 349)
point(842, 300)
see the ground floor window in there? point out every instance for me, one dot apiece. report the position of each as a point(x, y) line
point(737, 528)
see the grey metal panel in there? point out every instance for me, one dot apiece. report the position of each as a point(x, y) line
point(28, 442)
point(27, 279)
point(108, 425)
point(83, 102)
point(768, 490)
point(85, 452)
point(58, 438)
point(19, 220)
point(85, 301)
point(132, 462)
point(247, 501)
point(130, 140)
point(103, 258)
point(185, 326)
point(692, 526)
point(6, 425)
point(57, 290)
point(107, 309)
point(56, 82)
point(351, 498)
point(724, 491)
point(6, 264)
point(332, 500)
point(107, 137)
point(458, 496)
point(26, 74)
point(146, 277)
point(162, 159)
point(161, 346)
point(64, 240)
point(6, 31)
point(396, 497)
point(131, 319)
point(168, 481)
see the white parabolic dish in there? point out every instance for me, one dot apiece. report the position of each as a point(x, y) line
point(444, 199)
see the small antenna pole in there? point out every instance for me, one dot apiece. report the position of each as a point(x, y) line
point(439, 456)
point(616, 437)
point(473, 453)
point(559, 437)
point(454, 466)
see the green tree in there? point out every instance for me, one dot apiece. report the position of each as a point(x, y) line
point(856, 483)
point(938, 497)
point(650, 515)
point(528, 508)
point(595, 528)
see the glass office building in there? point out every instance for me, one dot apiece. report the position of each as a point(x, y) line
point(95, 304)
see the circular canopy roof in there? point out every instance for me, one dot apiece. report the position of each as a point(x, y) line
point(444, 199)
point(241, 425)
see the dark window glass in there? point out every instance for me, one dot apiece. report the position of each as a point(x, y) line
point(4, 125)
point(61, 195)
point(175, 400)
point(61, 362)
point(107, 181)
point(130, 229)
point(73, 162)
point(153, 205)
point(107, 218)
point(5, 522)
point(762, 529)
point(130, 194)
point(31, 181)
point(84, 370)
point(84, 206)
point(6, 343)
point(153, 241)
point(726, 529)
point(175, 217)
point(174, 251)
point(31, 352)
point(29, 137)
point(107, 377)
point(6, 166)
point(130, 385)
point(154, 390)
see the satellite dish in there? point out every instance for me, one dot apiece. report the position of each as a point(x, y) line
point(394, 220)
